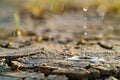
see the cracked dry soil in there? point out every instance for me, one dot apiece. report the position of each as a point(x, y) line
point(55, 48)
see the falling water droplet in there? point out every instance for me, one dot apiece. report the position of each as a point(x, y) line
point(85, 9)
point(85, 33)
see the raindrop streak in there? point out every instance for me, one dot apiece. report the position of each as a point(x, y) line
point(85, 9)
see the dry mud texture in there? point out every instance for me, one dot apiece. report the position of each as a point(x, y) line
point(55, 48)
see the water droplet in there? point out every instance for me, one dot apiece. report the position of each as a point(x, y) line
point(85, 33)
point(85, 9)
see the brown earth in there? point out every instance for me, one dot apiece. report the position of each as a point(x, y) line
point(55, 48)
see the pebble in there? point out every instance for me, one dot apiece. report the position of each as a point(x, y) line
point(4, 43)
point(78, 73)
point(106, 71)
point(105, 44)
point(17, 65)
point(94, 73)
point(11, 45)
point(77, 47)
point(82, 42)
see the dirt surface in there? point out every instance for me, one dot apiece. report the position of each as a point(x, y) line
point(56, 48)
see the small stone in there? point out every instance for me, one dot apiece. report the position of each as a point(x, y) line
point(94, 73)
point(17, 65)
point(111, 78)
point(107, 71)
point(47, 69)
point(77, 47)
point(105, 44)
point(4, 44)
point(45, 38)
point(44, 64)
point(38, 38)
point(78, 73)
point(11, 45)
point(56, 77)
point(82, 41)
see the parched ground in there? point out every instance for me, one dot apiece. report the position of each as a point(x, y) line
point(55, 48)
